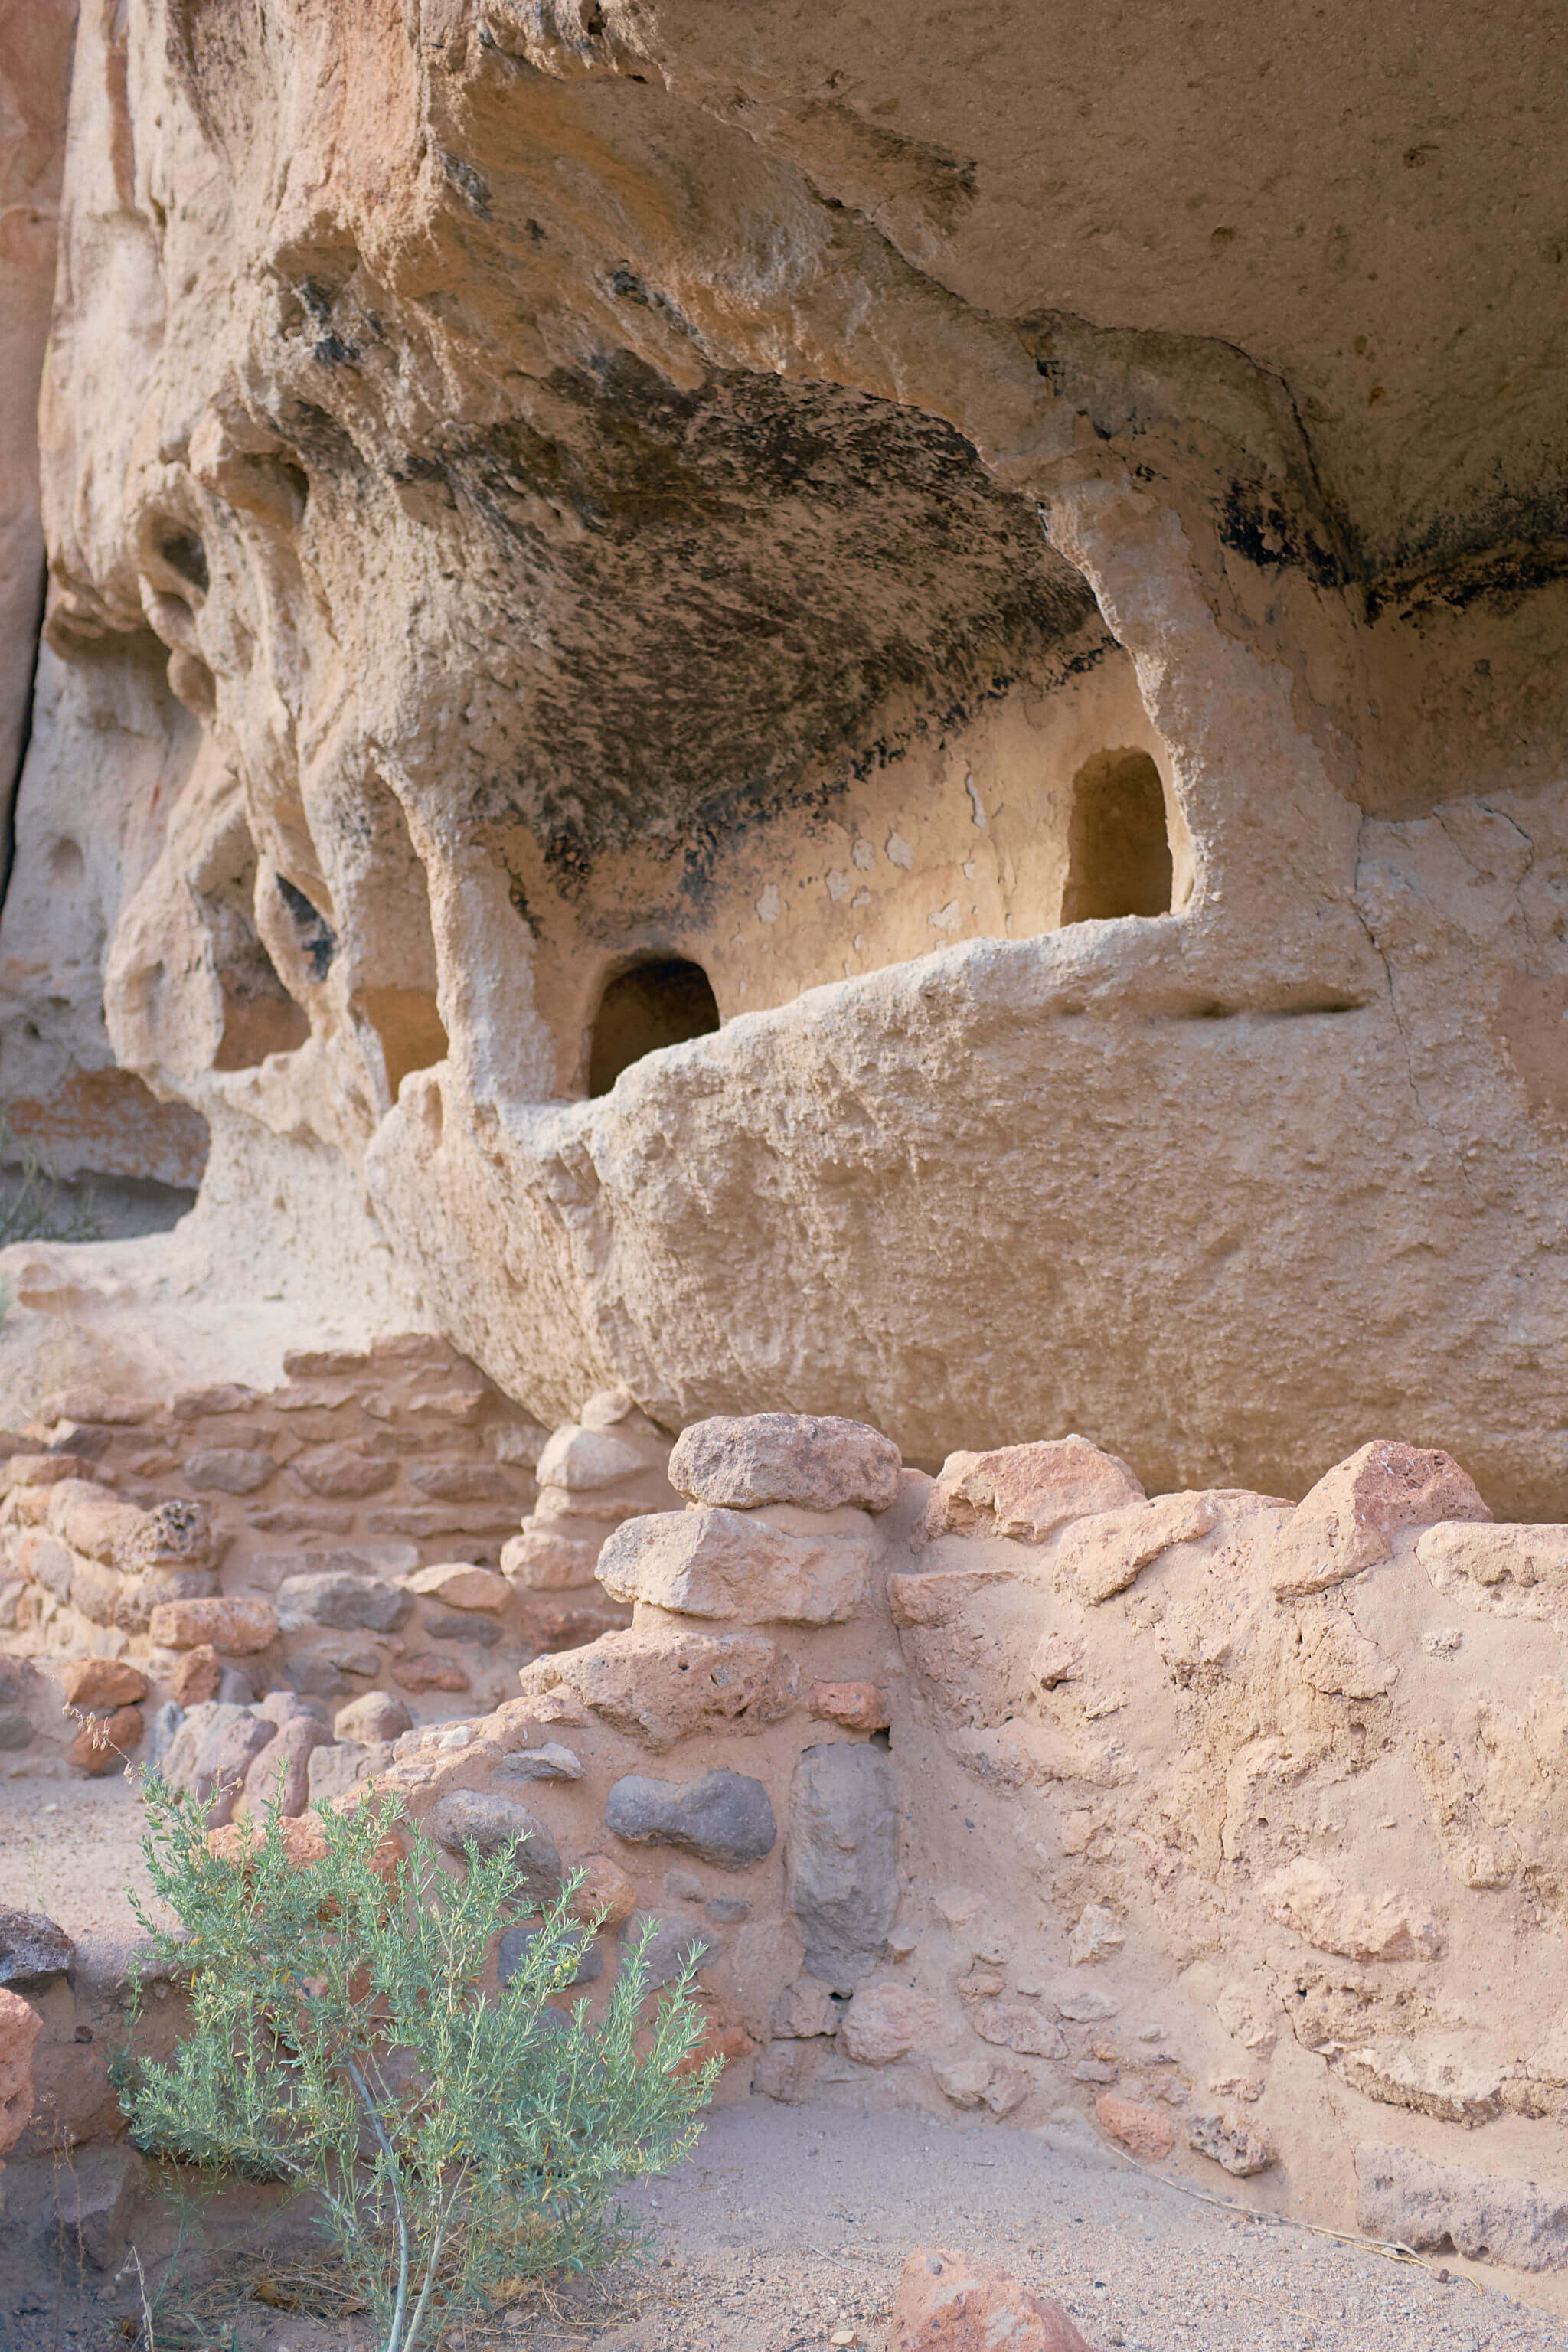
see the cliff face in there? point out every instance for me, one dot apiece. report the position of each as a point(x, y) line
point(35, 83)
point(1017, 568)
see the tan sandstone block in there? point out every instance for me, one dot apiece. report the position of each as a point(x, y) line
point(1104, 1554)
point(1349, 1519)
point(539, 1561)
point(86, 1515)
point(460, 1586)
point(818, 1461)
point(588, 1458)
point(1504, 1560)
point(235, 1626)
point(659, 1685)
point(1026, 1491)
point(707, 1563)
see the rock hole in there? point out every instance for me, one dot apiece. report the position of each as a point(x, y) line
point(883, 1738)
point(318, 940)
point(67, 866)
point(412, 1033)
point(662, 1002)
point(1119, 845)
point(259, 1016)
point(183, 553)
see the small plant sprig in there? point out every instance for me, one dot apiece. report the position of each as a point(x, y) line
point(458, 2144)
point(38, 1207)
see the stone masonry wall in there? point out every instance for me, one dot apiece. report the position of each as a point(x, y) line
point(1219, 1827)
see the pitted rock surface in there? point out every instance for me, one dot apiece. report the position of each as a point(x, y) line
point(818, 1461)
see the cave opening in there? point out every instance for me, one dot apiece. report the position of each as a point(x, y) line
point(1118, 843)
point(663, 1001)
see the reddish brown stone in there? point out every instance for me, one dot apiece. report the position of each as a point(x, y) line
point(235, 1626)
point(730, 2042)
point(950, 2302)
point(85, 1515)
point(428, 1674)
point(103, 1681)
point(1353, 1517)
point(223, 1396)
point(198, 1675)
point(20, 2026)
point(304, 1841)
point(73, 2100)
point(106, 1743)
point(1143, 2131)
point(858, 1706)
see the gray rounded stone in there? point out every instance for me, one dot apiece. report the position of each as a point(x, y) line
point(670, 1946)
point(842, 1858)
point(33, 1951)
point(490, 1823)
point(348, 1604)
point(725, 1818)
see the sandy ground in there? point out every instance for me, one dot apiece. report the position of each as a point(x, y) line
point(789, 2224)
point(787, 2229)
point(80, 1881)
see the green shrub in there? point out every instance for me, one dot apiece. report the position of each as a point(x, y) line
point(458, 2144)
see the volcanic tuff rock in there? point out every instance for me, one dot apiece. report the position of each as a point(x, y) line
point(707, 1563)
point(657, 1010)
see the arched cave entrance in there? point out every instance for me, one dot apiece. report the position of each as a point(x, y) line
point(1119, 845)
point(661, 1002)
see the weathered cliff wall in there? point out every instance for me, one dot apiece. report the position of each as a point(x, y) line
point(1031, 568)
